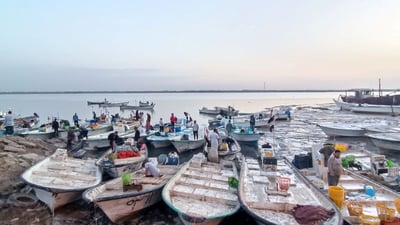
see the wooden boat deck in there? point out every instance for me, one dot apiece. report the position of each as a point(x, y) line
point(63, 172)
point(203, 191)
point(113, 188)
point(259, 193)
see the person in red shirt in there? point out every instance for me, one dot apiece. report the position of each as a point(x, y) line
point(173, 120)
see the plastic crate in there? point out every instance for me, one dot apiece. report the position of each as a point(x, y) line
point(355, 208)
point(385, 213)
point(369, 220)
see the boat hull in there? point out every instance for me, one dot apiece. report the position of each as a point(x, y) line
point(118, 209)
point(336, 130)
point(186, 145)
point(54, 200)
point(391, 142)
point(246, 137)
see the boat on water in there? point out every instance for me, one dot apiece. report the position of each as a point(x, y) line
point(332, 129)
point(216, 110)
point(119, 203)
point(385, 140)
point(101, 140)
point(203, 192)
point(274, 192)
point(113, 104)
point(59, 179)
point(97, 102)
point(137, 107)
point(368, 96)
point(126, 158)
point(147, 103)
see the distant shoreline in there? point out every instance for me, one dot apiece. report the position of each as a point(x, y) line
point(168, 91)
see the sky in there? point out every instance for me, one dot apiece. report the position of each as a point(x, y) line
point(132, 45)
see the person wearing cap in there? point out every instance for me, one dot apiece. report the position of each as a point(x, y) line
point(334, 168)
point(9, 123)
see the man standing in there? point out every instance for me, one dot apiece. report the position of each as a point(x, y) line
point(9, 123)
point(229, 128)
point(334, 168)
point(195, 130)
point(76, 120)
point(112, 138)
point(137, 135)
point(55, 125)
point(252, 122)
point(214, 139)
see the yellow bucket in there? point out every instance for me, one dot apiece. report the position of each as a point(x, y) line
point(336, 194)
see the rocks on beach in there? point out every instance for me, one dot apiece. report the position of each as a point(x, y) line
point(16, 155)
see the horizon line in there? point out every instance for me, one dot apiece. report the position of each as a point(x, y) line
point(187, 91)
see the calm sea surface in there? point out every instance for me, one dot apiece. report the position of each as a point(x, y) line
point(63, 106)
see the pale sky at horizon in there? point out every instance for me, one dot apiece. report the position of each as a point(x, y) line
point(180, 45)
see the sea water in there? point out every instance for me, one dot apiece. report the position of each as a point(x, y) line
point(63, 106)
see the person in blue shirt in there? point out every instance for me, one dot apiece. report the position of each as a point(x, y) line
point(75, 118)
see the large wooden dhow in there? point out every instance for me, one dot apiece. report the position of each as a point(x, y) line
point(200, 192)
point(276, 193)
point(59, 179)
point(119, 204)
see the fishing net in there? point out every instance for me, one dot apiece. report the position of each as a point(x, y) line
point(311, 214)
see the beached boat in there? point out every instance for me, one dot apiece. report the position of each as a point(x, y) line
point(136, 107)
point(187, 141)
point(101, 140)
point(183, 145)
point(113, 104)
point(246, 135)
point(164, 139)
point(203, 192)
point(229, 152)
point(243, 121)
point(58, 179)
point(386, 140)
point(344, 105)
point(393, 110)
point(343, 129)
point(116, 163)
point(274, 192)
point(119, 204)
point(359, 197)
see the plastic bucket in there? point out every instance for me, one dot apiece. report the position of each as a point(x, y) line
point(336, 194)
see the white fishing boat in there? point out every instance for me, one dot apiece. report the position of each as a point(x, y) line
point(361, 200)
point(276, 193)
point(227, 150)
point(202, 193)
point(101, 140)
point(137, 107)
point(386, 140)
point(187, 141)
point(343, 129)
point(58, 179)
point(246, 135)
point(113, 104)
point(346, 106)
point(393, 110)
point(119, 203)
point(164, 139)
point(125, 159)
